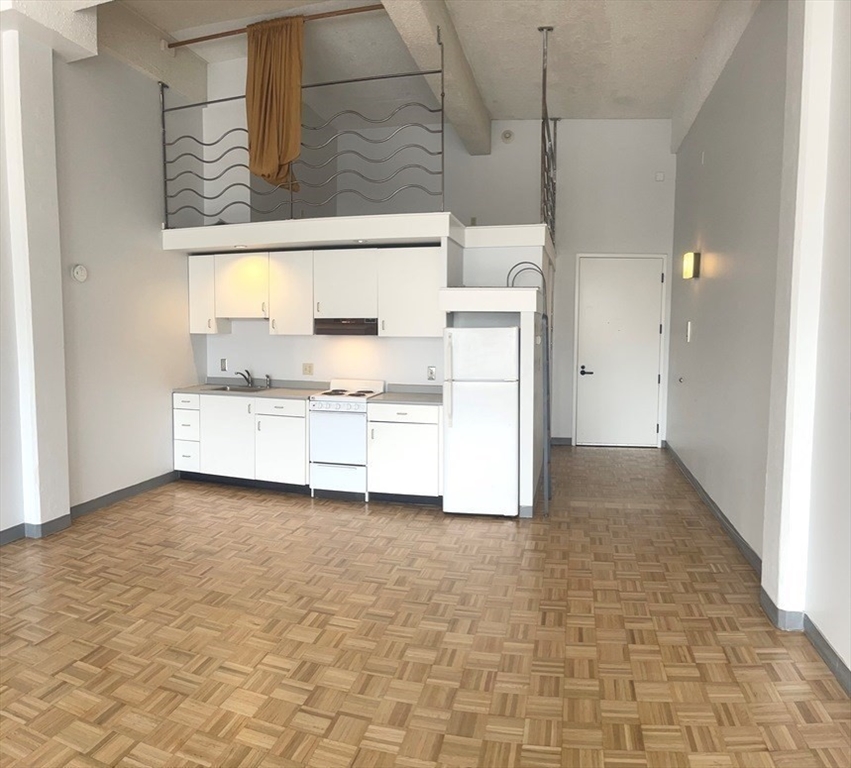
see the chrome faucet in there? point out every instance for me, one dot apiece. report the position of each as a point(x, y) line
point(249, 381)
point(268, 381)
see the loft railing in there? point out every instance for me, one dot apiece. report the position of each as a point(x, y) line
point(549, 136)
point(350, 162)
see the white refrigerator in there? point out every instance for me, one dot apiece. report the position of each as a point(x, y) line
point(481, 413)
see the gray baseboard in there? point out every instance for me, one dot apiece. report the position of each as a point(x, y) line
point(789, 621)
point(830, 657)
point(78, 510)
point(34, 530)
point(752, 557)
point(561, 441)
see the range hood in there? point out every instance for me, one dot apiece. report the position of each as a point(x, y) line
point(348, 326)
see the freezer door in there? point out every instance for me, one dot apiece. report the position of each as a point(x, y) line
point(481, 448)
point(482, 354)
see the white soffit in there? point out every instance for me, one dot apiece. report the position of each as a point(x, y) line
point(623, 59)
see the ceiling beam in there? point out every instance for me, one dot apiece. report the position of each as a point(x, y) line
point(417, 22)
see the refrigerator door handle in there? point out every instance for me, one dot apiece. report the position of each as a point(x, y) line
point(448, 404)
point(448, 356)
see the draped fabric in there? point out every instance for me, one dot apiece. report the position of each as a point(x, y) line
point(273, 98)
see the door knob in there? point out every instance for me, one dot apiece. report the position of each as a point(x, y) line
point(583, 372)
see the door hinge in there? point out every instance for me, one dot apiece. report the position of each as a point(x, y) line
point(657, 429)
point(663, 277)
point(660, 327)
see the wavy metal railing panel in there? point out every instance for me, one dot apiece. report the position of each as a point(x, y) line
point(363, 160)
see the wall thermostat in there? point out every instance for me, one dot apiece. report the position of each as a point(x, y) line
point(79, 273)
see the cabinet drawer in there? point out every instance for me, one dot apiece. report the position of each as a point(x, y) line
point(187, 456)
point(406, 414)
point(190, 402)
point(266, 406)
point(186, 425)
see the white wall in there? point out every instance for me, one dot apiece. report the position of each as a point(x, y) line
point(727, 207)
point(249, 345)
point(125, 328)
point(608, 201)
point(828, 601)
point(11, 471)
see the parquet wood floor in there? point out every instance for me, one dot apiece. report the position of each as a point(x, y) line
point(201, 625)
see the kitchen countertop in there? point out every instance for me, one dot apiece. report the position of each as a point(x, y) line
point(283, 393)
point(408, 398)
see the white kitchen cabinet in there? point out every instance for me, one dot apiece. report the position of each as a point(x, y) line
point(202, 297)
point(403, 457)
point(345, 283)
point(281, 449)
point(242, 285)
point(291, 293)
point(186, 422)
point(227, 436)
point(408, 283)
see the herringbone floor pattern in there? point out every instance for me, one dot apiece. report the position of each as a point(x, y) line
point(200, 625)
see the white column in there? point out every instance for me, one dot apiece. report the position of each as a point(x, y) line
point(32, 206)
point(792, 413)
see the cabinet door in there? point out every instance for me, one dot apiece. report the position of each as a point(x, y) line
point(345, 283)
point(403, 458)
point(408, 282)
point(291, 293)
point(227, 436)
point(202, 297)
point(242, 285)
point(281, 449)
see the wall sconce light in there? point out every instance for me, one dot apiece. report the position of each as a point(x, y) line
point(691, 265)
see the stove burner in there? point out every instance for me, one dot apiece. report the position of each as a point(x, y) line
point(356, 394)
point(362, 392)
point(335, 392)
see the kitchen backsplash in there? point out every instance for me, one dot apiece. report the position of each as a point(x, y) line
point(250, 345)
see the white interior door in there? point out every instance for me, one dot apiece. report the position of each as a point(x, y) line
point(618, 360)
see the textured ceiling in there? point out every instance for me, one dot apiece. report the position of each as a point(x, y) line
point(607, 58)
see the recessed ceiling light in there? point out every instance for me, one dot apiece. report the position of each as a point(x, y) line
point(360, 241)
point(241, 247)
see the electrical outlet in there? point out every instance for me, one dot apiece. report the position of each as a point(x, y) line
point(432, 373)
point(223, 363)
point(307, 369)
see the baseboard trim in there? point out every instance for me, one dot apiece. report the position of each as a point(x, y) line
point(788, 621)
point(840, 671)
point(401, 498)
point(14, 533)
point(752, 557)
point(561, 441)
point(87, 507)
point(243, 482)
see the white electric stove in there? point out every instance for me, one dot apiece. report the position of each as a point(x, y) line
point(338, 435)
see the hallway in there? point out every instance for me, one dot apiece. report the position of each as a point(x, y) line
point(209, 625)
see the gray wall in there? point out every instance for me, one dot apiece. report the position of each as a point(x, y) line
point(126, 328)
point(727, 207)
point(829, 562)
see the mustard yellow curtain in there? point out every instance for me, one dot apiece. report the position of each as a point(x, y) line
point(273, 98)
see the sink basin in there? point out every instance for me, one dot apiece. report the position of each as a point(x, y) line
point(237, 388)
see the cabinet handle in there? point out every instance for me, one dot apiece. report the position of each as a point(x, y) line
point(382, 325)
point(401, 413)
point(258, 425)
point(317, 306)
point(249, 407)
point(209, 322)
point(273, 324)
point(185, 456)
point(184, 425)
point(263, 307)
point(372, 434)
point(279, 407)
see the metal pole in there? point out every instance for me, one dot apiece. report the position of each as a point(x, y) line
point(544, 31)
point(442, 127)
point(163, 86)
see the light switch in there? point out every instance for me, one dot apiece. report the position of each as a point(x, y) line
point(688, 332)
point(660, 176)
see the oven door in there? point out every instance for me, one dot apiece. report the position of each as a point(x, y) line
point(338, 438)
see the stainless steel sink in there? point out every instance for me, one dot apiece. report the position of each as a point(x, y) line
point(236, 388)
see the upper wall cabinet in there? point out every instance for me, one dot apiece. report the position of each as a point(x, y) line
point(291, 293)
point(202, 297)
point(345, 283)
point(408, 283)
point(242, 285)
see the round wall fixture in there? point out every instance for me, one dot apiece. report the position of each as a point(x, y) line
point(79, 273)
point(507, 136)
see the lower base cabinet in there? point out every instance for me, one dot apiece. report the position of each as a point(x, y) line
point(227, 436)
point(280, 449)
point(404, 458)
